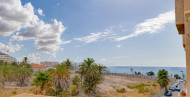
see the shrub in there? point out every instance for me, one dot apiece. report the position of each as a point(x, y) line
point(14, 92)
point(147, 85)
point(122, 90)
point(141, 89)
point(97, 95)
point(131, 87)
point(76, 80)
point(50, 92)
point(146, 90)
point(154, 84)
point(177, 76)
point(74, 90)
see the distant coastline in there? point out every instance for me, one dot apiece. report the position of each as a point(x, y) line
point(144, 69)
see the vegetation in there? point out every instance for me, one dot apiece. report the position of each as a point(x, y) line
point(10, 72)
point(122, 90)
point(151, 73)
point(131, 70)
point(91, 73)
point(177, 76)
point(61, 76)
point(74, 90)
point(41, 79)
point(76, 80)
point(163, 79)
point(54, 81)
point(183, 75)
point(141, 87)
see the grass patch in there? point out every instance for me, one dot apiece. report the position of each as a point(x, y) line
point(122, 90)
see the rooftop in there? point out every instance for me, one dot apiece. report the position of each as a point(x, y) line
point(38, 66)
point(2, 53)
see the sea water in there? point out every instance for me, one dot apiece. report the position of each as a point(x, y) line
point(127, 69)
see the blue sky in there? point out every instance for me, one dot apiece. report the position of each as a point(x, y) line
point(113, 32)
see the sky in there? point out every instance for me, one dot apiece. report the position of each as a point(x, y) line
point(112, 32)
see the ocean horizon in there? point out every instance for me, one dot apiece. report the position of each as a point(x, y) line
point(144, 69)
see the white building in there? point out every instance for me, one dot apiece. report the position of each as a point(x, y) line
point(6, 58)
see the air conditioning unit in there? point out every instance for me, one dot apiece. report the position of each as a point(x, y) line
point(179, 16)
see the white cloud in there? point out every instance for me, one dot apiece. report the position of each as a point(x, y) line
point(95, 36)
point(9, 48)
point(58, 3)
point(67, 42)
point(118, 45)
point(103, 59)
point(40, 12)
point(121, 57)
point(14, 17)
point(17, 37)
point(33, 58)
point(90, 38)
point(151, 25)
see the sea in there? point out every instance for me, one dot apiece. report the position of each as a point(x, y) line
point(127, 69)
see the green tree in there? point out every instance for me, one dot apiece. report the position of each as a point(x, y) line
point(41, 79)
point(151, 73)
point(177, 76)
point(25, 59)
point(183, 75)
point(131, 70)
point(163, 79)
point(76, 80)
point(60, 76)
point(1, 62)
point(69, 64)
point(91, 73)
point(23, 72)
point(14, 63)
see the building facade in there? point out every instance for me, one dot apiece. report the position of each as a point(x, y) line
point(49, 64)
point(6, 58)
point(182, 14)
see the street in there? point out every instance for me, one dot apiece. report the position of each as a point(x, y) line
point(176, 93)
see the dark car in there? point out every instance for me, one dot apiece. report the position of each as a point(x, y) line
point(168, 93)
point(177, 90)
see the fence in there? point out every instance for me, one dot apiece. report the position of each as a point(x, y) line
point(136, 76)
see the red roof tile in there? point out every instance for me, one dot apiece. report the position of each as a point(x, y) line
point(38, 66)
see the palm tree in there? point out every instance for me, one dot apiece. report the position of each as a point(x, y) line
point(132, 70)
point(91, 73)
point(69, 64)
point(22, 74)
point(1, 62)
point(101, 69)
point(41, 79)
point(163, 78)
point(25, 60)
point(76, 80)
point(14, 63)
point(85, 66)
point(60, 76)
point(183, 75)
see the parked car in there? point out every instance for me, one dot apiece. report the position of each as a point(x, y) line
point(168, 93)
point(177, 90)
point(174, 86)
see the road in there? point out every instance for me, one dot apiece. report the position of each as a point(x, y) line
point(175, 93)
